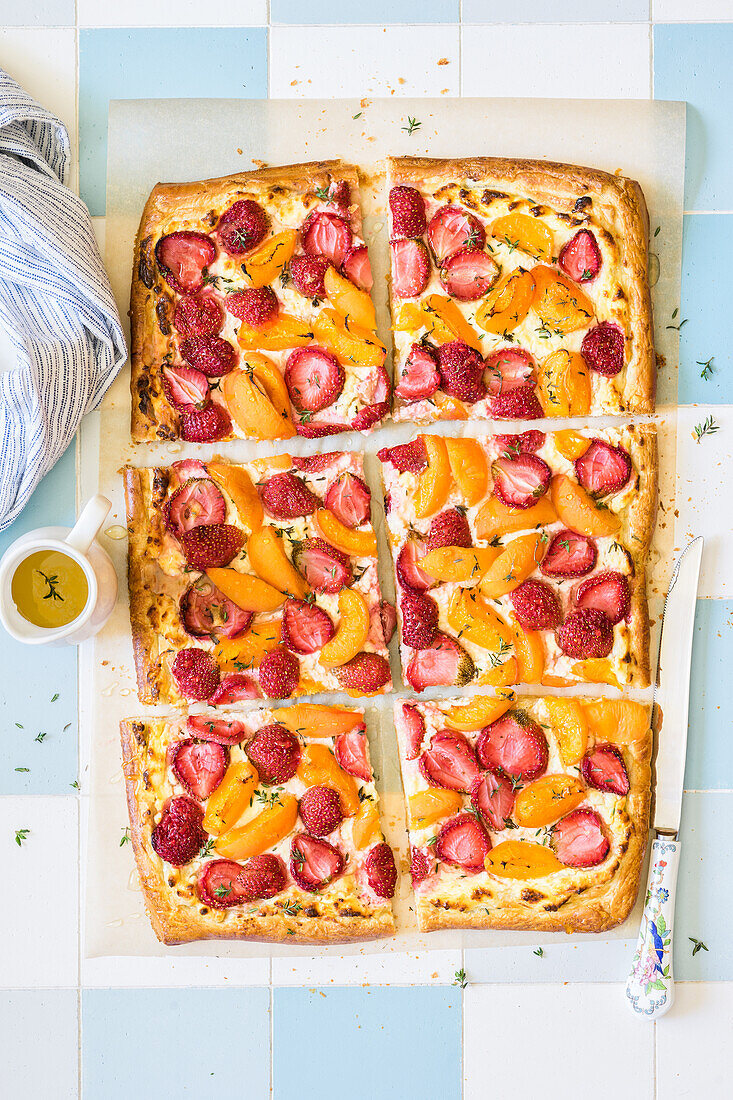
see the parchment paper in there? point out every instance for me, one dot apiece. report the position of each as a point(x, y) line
point(150, 141)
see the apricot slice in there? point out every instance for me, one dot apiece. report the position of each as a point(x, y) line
point(450, 408)
point(427, 807)
point(314, 720)
point(262, 832)
point(271, 380)
point(521, 859)
point(570, 444)
point(549, 679)
point(547, 800)
point(597, 671)
point(507, 303)
point(284, 332)
point(251, 408)
point(514, 564)
point(270, 259)
point(448, 323)
point(456, 563)
point(564, 384)
point(469, 468)
point(351, 633)
point(240, 654)
point(500, 675)
point(365, 827)
point(433, 484)
point(353, 304)
point(349, 343)
point(559, 303)
point(571, 727)
point(619, 720)
point(318, 767)
point(495, 518)
point(270, 562)
point(480, 712)
point(248, 592)
point(235, 481)
point(530, 654)
point(363, 544)
point(474, 619)
point(231, 798)
point(524, 232)
point(577, 510)
point(408, 318)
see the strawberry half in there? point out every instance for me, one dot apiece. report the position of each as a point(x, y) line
point(419, 620)
point(453, 228)
point(422, 865)
point(603, 349)
point(407, 457)
point(463, 842)
point(305, 627)
point(536, 605)
point(469, 274)
point(263, 877)
point(211, 545)
point(286, 496)
point(199, 766)
point(387, 620)
point(207, 425)
point(188, 469)
point(408, 212)
point(603, 469)
point(519, 482)
point(519, 404)
point(410, 268)
point(179, 835)
point(196, 673)
point(419, 375)
point(492, 795)
point(461, 371)
point(450, 762)
point(366, 673)
point(182, 259)
point(580, 258)
point(569, 555)
point(604, 768)
point(255, 306)
point(219, 886)
point(515, 745)
point(579, 840)
point(198, 501)
point(242, 227)
point(608, 592)
point(445, 662)
point(207, 613)
point(315, 463)
point(320, 810)
point(308, 274)
point(324, 568)
point(225, 731)
point(356, 267)
point(325, 234)
point(198, 315)
point(349, 499)
point(509, 369)
point(448, 528)
point(279, 673)
point(275, 752)
point(352, 753)
point(413, 726)
point(409, 573)
point(380, 870)
point(314, 862)
point(586, 634)
point(526, 443)
point(235, 688)
point(185, 387)
point(314, 378)
point(212, 355)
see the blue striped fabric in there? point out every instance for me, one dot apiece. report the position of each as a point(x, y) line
point(56, 305)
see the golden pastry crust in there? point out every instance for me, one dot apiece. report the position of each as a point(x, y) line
point(336, 915)
point(578, 197)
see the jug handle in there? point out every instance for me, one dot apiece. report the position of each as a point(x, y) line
point(86, 528)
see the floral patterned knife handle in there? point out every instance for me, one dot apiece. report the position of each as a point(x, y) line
point(650, 985)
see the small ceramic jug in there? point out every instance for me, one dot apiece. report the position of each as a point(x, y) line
point(77, 543)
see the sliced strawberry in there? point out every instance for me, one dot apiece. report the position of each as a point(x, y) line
point(407, 457)
point(569, 555)
point(586, 634)
point(469, 274)
point(211, 545)
point(197, 501)
point(419, 375)
point(603, 349)
point(286, 496)
point(366, 673)
point(207, 613)
point(608, 592)
point(387, 619)
point(316, 463)
point(492, 794)
point(514, 744)
point(580, 258)
point(188, 469)
point(604, 768)
point(206, 425)
point(408, 212)
point(314, 378)
point(279, 673)
point(356, 267)
point(445, 662)
point(463, 842)
point(603, 469)
point(536, 605)
point(450, 762)
point(179, 835)
point(314, 862)
point(519, 482)
point(183, 258)
point(453, 228)
point(306, 627)
point(255, 306)
point(461, 371)
point(308, 274)
point(349, 499)
point(198, 315)
point(320, 810)
point(324, 568)
point(526, 443)
point(409, 573)
point(275, 752)
point(242, 227)
point(224, 731)
point(579, 840)
point(370, 415)
point(339, 193)
point(352, 753)
point(220, 886)
point(199, 766)
point(422, 865)
point(212, 355)
point(314, 429)
point(235, 688)
point(328, 235)
point(410, 268)
point(380, 869)
point(413, 726)
point(448, 528)
point(263, 876)
point(420, 618)
point(196, 673)
point(509, 369)
point(185, 387)
point(519, 404)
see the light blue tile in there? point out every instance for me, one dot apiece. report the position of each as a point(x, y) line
point(706, 249)
point(176, 1042)
point(709, 740)
point(692, 62)
point(556, 11)
point(356, 11)
point(150, 63)
point(705, 889)
point(408, 1037)
point(31, 677)
point(40, 1043)
point(596, 961)
point(37, 13)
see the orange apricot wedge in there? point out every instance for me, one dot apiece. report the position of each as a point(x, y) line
point(408, 318)
point(530, 654)
point(271, 564)
point(480, 712)
point(318, 767)
point(564, 384)
point(246, 652)
point(523, 232)
point(251, 408)
point(473, 618)
point(521, 859)
point(231, 798)
point(458, 564)
point(427, 807)
point(315, 720)
point(362, 544)
point(559, 303)
point(571, 728)
point(352, 630)
point(235, 481)
point(570, 444)
point(248, 592)
point(469, 467)
point(499, 674)
point(507, 303)
point(597, 671)
point(547, 800)
point(450, 408)
point(517, 560)
point(447, 323)
point(365, 827)
point(353, 304)
point(270, 259)
point(285, 331)
point(577, 510)
point(350, 343)
point(620, 720)
point(264, 831)
point(271, 379)
point(434, 483)
point(495, 518)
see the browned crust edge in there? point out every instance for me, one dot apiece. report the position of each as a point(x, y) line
point(144, 638)
point(638, 528)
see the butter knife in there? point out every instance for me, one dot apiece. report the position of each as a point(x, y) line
point(650, 985)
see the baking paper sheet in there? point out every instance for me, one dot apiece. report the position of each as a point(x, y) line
point(151, 141)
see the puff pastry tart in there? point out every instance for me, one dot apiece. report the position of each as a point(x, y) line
point(526, 813)
point(251, 312)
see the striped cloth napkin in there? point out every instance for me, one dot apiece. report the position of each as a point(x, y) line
point(56, 305)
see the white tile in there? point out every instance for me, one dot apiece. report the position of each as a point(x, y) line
point(386, 967)
point(691, 1057)
point(313, 62)
point(702, 11)
point(569, 60)
point(159, 973)
point(99, 226)
point(705, 493)
point(172, 13)
point(40, 918)
point(552, 1038)
point(40, 1044)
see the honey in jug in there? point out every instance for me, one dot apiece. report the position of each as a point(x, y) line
point(49, 589)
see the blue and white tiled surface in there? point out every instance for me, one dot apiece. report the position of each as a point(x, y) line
point(167, 1027)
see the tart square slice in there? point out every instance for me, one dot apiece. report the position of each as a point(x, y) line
point(259, 825)
point(254, 580)
point(522, 558)
point(525, 812)
point(519, 290)
point(251, 309)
